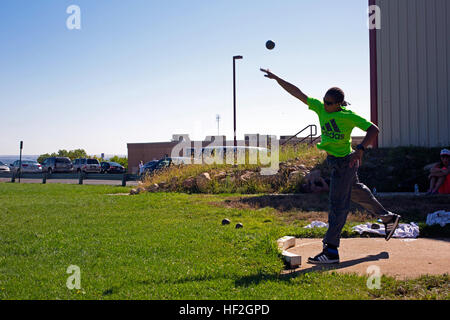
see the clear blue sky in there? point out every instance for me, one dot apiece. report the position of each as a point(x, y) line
point(142, 70)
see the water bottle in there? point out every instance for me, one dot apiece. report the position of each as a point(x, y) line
point(416, 189)
point(374, 191)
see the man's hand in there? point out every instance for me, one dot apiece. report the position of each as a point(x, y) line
point(293, 90)
point(356, 159)
point(269, 74)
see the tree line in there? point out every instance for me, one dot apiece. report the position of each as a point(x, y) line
point(81, 153)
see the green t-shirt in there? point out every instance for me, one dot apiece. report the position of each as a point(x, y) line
point(337, 128)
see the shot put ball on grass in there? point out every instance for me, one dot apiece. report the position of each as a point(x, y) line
point(270, 44)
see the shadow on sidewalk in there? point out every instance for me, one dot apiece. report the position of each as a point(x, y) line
point(257, 278)
point(344, 264)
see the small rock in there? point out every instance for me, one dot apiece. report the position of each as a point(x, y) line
point(153, 188)
point(290, 170)
point(189, 183)
point(247, 175)
point(225, 222)
point(162, 185)
point(133, 191)
point(203, 181)
point(220, 175)
point(239, 226)
point(294, 175)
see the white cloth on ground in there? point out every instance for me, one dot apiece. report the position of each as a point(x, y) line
point(404, 230)
point(439, 217)
point(316, 224)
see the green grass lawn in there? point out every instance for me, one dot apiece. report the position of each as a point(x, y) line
point(159, 246)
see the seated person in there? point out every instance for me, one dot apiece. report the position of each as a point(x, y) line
point(314, 183)
point(439, 175)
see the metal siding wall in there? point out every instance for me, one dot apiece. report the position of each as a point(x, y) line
point(422, 73)
point(442, 76)
point(384, 79)
point(432, 72)
point(413, 95)
point(380, 111)
point(403, 106)
point(394, 72)
point(413, 73)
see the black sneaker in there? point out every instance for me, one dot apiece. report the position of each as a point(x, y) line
point(327, 256)
point(390, 224)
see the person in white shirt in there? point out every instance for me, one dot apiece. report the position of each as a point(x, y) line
point(141, 167)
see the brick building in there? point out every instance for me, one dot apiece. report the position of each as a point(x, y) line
point(157, 150)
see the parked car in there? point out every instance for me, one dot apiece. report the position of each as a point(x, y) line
point(86, 165)
point(160, 164)
point(29, 166)
point(149, 166)
point(57, 164)
point(4, 167)
point(111, 167)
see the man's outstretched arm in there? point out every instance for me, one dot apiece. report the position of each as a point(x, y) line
point(293, 90)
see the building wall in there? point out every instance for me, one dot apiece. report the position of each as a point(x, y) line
point(413, 73)
point(146, 152)
point(156, 150)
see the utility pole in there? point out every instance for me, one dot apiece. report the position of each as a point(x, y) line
point(20, 160)
point(234, 105)
point(218, 120)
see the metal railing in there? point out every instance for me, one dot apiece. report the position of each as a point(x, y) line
point(310, 136)
point(70, 176)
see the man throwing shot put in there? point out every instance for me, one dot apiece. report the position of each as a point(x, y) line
point(337, 123)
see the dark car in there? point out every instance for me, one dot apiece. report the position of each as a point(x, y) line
point(155, 165)
point(150, 166)
point(57, 164)
point(111, 167)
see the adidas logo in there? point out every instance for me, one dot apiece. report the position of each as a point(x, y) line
point(332, 131)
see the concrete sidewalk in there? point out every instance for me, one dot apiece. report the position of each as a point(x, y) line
point(399, 258)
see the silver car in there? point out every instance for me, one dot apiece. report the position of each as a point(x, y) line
point(28, 166)
point(86, 165)
point(4, 167)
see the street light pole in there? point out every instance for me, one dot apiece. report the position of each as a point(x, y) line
point(20, 160)
point(234, 96)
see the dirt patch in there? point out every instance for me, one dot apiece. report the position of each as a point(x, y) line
point(315, 206)
point(399, 258)
point(290, 208)
point(416, 208)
